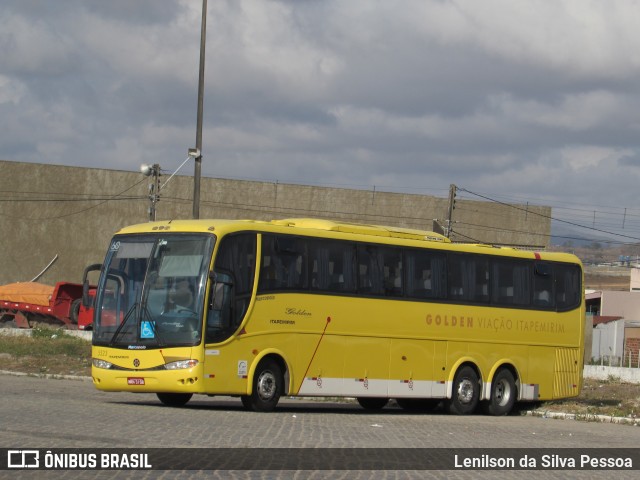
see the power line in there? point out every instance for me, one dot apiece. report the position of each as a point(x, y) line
point(102, 202)
point(70, 200)
point(549, 216)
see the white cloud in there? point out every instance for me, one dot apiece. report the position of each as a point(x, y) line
point(34, 46)
point(534, 99)
point(595, 158)
point(576, 37)
point(11, 90)
point(574, 111)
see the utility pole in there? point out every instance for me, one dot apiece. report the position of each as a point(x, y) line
point(154, 187)
point(452, 206)
point(198, 150)
point(155, 192)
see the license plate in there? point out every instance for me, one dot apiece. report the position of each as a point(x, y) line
point(135, 381)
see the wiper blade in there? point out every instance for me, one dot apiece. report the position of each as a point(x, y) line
point(124, 322)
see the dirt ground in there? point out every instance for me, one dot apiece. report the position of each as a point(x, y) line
point(601, 397)
point(607, 282)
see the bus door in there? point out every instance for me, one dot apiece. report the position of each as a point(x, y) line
point(232, 280)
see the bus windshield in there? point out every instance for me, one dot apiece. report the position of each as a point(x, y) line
point(151, 292)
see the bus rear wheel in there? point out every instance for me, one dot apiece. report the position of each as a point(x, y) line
point(372, 403)
point(174, 399)
point(268, 385)
point(465, 393)
point(503, 394)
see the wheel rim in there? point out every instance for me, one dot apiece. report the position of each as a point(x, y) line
point(465, 391)
point(266, 385)
point(502, 393)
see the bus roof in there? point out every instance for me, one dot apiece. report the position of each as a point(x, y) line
point(297, 223)
point(309, 226)
point(362, 229)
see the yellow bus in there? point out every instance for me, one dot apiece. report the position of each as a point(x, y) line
point(315, 308)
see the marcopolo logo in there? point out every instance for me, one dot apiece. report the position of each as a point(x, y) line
point(23, 459)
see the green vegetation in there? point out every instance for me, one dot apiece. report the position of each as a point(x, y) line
point(47, 350)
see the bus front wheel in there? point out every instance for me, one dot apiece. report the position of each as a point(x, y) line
point(503, 394)
point(174, 399)
point(465, 393)
point(268, 385)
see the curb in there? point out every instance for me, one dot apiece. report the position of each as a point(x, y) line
point(17, 332)
point(585, 417)
point(46, 375)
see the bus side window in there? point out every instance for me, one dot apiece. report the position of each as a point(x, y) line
point(283, 265)
point(425, 274)
point(543, 285)
point(331, 265)
point(418, 274)
point(568, 289)
point(380, 270)
point(511, 282)
point(468, 278)
point(393, 272)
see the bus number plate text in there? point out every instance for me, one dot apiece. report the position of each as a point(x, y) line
point(135, 381)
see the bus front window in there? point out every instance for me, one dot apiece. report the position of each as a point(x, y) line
point(151, 292)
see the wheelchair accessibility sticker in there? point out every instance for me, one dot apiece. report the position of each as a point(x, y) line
point(147, 329)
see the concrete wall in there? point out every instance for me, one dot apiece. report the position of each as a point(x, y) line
point(620, 304)
point(635, 280)
point(608, 342)
point(48, 210)
point(631, 375)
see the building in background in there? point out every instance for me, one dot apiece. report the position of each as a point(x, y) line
point(615, 318)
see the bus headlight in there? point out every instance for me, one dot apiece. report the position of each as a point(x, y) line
point(181, 364)
point(101, 363)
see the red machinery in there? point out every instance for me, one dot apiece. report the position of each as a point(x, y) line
point(25, 304)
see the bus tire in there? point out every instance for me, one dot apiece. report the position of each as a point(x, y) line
point(418, 404)
point(268, 385)
point(372, 403)
point(503, 394)
point(174, 399)
point(465, 392)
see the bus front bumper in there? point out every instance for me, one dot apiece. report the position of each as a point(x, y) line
point(150, 381)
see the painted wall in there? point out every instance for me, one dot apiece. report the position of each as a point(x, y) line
point(49, 210)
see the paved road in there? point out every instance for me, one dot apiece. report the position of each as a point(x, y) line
point(55, 413)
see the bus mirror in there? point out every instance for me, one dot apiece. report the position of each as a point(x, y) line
point(218, 296)
point(87, 300)
point(222, 284)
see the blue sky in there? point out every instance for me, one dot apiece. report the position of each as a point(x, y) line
point(519, 101)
